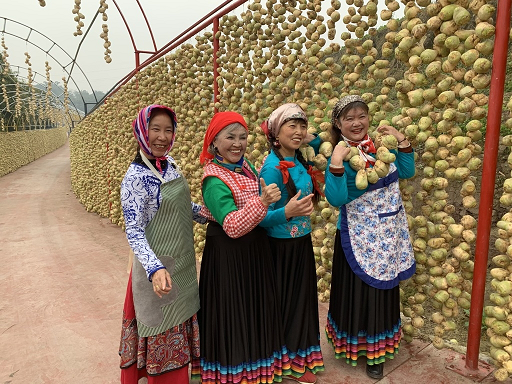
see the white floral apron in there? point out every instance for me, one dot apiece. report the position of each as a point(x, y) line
point(375, 235)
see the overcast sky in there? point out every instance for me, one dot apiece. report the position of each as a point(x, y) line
point(168, 18)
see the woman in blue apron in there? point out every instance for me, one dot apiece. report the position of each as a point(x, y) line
point(160, 332)
point(372, 251)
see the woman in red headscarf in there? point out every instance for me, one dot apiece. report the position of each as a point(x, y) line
point(241, 336)
point(160, 333)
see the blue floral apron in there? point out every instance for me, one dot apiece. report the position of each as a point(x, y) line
point(375, 235)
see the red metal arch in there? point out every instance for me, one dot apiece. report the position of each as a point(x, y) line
point(212, 18)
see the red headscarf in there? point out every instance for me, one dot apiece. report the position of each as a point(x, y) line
point(219, 121)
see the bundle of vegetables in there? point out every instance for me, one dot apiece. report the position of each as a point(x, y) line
point(78, 18)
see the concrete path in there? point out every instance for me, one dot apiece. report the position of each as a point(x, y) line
point(62, 285)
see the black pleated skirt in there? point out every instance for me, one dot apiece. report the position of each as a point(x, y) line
point(239, 320)
point(362, 320)
point(294, 262)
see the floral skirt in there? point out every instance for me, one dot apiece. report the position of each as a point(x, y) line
point(362, 320)
point(167, 353)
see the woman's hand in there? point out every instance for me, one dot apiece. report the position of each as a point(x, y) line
point(338, 154)
point(269, 193)
point(296, 207)
point(309, 138)
point(161, 282)
point(389, 130)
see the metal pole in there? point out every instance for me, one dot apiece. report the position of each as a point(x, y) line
point(215, 63)
point(492, 137)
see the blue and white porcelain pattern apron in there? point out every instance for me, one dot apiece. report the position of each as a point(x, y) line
point(375, 234)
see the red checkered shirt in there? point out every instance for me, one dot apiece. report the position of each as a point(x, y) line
point(245, 193)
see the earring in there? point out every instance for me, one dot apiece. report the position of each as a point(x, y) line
point(276, 143)
point(216, 149)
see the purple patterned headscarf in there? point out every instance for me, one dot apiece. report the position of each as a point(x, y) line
point(140, 128)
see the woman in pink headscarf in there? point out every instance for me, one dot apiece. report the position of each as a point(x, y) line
point(160, 330)
point(288, 226)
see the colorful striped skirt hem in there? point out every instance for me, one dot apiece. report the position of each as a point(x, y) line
point(267, 370)
point(311, 360)
point(376, 348)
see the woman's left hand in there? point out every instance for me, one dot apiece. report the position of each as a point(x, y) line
point(389, 130)
point(161, 280)
point(296, 207)
point(309, 138)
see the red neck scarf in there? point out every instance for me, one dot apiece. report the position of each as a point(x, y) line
point(283, 167)
point(158, 163)
point(317, 176)
point(366, 148)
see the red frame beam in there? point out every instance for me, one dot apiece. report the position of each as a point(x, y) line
point(147, 23)
point(184, 36)
point(215, 63)
point(492, 137)
point(129, 31)
point(137, 52)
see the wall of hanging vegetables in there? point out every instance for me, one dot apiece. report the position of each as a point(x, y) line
point(31, 123)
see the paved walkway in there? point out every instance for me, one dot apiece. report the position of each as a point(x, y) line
point(62, 284)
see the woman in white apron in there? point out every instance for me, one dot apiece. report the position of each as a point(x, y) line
point(160, 330)
point(372, 250)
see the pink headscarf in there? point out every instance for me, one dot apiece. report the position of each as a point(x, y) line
point(271, 127)
point(281, 115)
point(140, 130)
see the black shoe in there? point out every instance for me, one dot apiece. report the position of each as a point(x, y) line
point(375, 371)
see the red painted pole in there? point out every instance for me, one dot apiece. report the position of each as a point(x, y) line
point(492, 137)
point(126, 25)
point(108, 172)
point(215, 63)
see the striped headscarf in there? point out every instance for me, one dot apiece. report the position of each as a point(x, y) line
point(140, 129)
